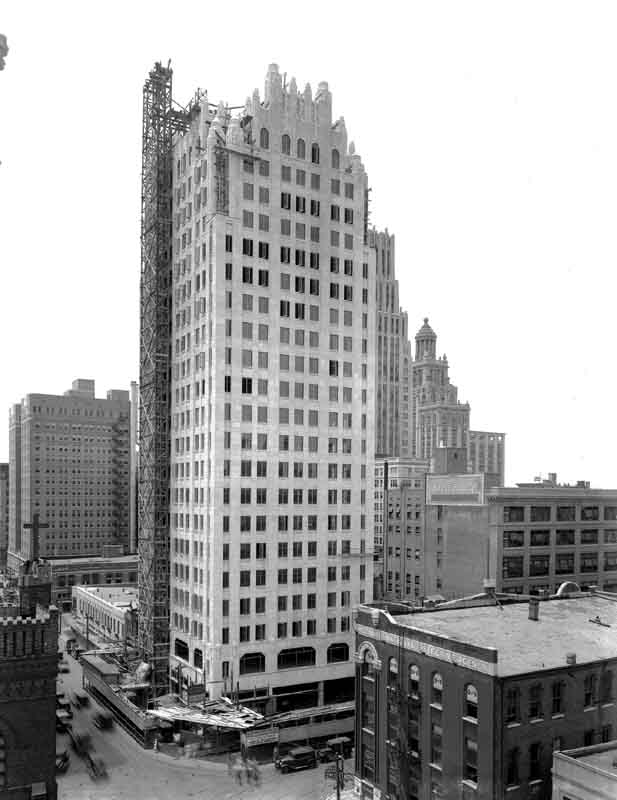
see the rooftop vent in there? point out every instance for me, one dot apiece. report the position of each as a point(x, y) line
point(570, 659)
point(534, 609)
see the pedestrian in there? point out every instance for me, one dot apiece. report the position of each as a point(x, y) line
point(238, 769)
point(156, 744)
point(253, 772)
point(230, 763)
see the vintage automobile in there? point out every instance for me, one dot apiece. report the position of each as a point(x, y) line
point(63, 721)
point(79, 698)
point(64, 704)
point(103, 719)
point(62, 761)
point(297, 758)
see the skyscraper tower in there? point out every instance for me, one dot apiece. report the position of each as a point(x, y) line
point(439, 419)
point(272, 397)
point(394, 358)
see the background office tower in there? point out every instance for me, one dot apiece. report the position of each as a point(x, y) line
point(439, 419)
point(272, 399)
point(4, 513)
point(487, 455)
point(69, 462)
point(394, 356)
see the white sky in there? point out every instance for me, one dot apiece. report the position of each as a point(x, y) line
point(489, 133)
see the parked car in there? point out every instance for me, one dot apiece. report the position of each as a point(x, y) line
point(79, 698)
point(63, 667)
point(62, 761)
point(297, 758)
point(63, 721)
point(63, 704)
point(103, 719)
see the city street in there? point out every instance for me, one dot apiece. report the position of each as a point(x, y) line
point(140, 774)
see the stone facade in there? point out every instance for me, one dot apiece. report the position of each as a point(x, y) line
point(394, 356)
point(28, 670)
point(487, 455)
point(89, 571)
point(273, 395)
point(69, 462)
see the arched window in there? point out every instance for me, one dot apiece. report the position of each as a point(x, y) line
point(315, 154)
point(339, 651)
point(264, 138)
point(392, 671)
point(414, 680)
point(368, 663)
point(301, 149)
point(437, 689)
point(471, 701)
point(296, 657)
point(252, 662)
point(286, 144)
point(336, 159)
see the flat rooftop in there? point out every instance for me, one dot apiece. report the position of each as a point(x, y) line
point(599, 757)
point(564, 626)
point(79, 560)
point(118, 595)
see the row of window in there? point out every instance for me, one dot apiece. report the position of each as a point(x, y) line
point(297, 577)
point(563, 538)
point(563, 513)
point(296, 629)
point(297, 523)
point(296, 550)
point(594, 690)
point(564, 564)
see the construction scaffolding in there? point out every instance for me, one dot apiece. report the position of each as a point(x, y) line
point(160, 122)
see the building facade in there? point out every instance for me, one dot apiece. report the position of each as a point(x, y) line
point(487, 455)
point(400, 486)
point(28, 670)
point(394, 356)
point(110, 611)
point(273, 397)
point(70, 463)
point(471, 702)
point(4, 513)
point(103, 570)
point(439, 419)
point(544, 535)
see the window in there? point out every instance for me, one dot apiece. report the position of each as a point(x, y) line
point(606, 687)
point(590, 691)
point(535, 701)
point(514, 514)
point(513, 567)
point(540, 513)
point(566, 513)
point(513, 702)
point(336, 159)
point(285, 144)
point(296, 657)
point(437, 689)
point(338, 652)
point(590, 513)
point(557, 701)
point(512, 771)
point(539, 565)
point(471, 702)
point(264, 138)
point(436, 743)
point(252, 662)
point(315, 154)
point(540, 538)
point(513, 538)
point(301, 148)
point(471, 760)
point(535, 765)
point(564, 538)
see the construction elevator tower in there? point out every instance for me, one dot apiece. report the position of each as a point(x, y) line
point(159, 124)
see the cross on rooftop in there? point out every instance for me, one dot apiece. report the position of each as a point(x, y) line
point(35, 526)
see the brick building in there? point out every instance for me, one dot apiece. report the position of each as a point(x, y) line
point(106, 569)
point(470, 701)
point(70, 462)
point(28, 670)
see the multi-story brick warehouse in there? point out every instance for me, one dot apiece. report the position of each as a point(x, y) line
point(70, 463)
point(394, 356)
point(470, 702)
point(4, 513)
point(546, 534)
point(28, 670)
point(273, 397)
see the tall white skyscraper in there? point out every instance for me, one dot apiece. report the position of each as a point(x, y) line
point(272, 398)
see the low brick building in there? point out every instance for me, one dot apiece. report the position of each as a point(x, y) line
point(470, 701)
point(106, 569)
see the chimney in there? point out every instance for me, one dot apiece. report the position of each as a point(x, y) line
point(534, 609)
point(570, 659)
